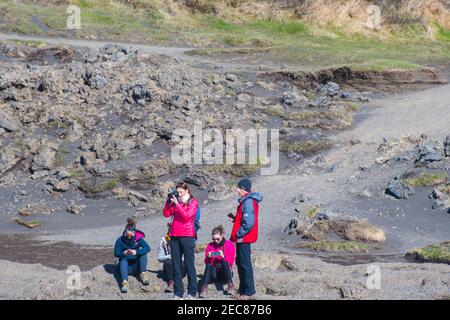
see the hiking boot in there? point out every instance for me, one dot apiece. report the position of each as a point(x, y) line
point(231, 290)
point(203, 292)
point(169, 286)
point(124, 288)
point(144, 278)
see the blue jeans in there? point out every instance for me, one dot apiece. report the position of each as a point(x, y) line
point(133, 267)
point(184, 246)
point(245, 269)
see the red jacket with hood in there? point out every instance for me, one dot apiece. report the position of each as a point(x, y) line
point(245, 227)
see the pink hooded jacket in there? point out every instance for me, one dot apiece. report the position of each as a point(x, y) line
point(228, 249)
point(183, 217)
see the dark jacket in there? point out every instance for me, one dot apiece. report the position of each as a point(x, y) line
point(123, 243)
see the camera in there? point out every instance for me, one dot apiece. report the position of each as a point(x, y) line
point(173, 192)
point(215, 254)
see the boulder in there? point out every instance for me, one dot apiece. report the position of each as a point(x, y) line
point(399, 190)
point(428, 153)
point(44, 159)
point(8, 121)
point(199, 178)
point(330, 88)
point(157, 167)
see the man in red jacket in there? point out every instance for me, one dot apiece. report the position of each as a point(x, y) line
point(244, 233)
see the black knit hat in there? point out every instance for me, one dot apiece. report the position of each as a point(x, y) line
point(245, 184)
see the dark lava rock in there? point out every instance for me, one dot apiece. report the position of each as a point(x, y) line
point(290, 228)
point(399, 189)
point(198, 178)
point(139, 92)
point(428, 153)
point(94, 80)
point(330, 89)
point(289, 98)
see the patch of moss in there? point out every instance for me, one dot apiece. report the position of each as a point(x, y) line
point(236, 170)
point(98, 188)
point(274, 112)
point(431, 253)
point(427, 179)
point(29, 224)
point(60, 156)
point(313, 211)
point(76, 173)
point(28, 43)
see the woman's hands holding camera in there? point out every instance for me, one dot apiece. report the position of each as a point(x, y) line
point(174, 200)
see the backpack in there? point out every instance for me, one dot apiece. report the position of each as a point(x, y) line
point(197, 225)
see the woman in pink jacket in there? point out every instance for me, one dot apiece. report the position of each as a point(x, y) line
point(183, 210)
point(219, 259)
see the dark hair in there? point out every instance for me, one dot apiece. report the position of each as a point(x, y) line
point(218, 230)
point(185, 186)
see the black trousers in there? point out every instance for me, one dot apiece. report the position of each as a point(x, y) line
point(245, 269)
point(168, 270)
point(184, 247)
point(222, 274)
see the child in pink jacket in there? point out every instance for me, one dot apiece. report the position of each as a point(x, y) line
point(219, 260)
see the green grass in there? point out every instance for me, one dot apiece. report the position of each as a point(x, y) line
point(83, 4)
point(432, 253)
point(28, 43)
point(280, 27)
point(427, 179)
point(297, 41)
point(443, 35)
point(99, 18)
point(380, 65)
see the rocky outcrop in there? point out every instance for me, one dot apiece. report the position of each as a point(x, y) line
point(399, 190)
